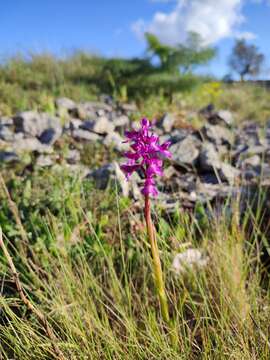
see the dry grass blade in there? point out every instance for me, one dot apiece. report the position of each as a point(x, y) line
point(41, 317)
point(15, 212)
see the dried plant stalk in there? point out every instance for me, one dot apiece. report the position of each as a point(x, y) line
point(41, 317)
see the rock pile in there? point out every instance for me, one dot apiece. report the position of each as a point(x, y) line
point(207, 163)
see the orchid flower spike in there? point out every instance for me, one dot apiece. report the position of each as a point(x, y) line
point(146, 154)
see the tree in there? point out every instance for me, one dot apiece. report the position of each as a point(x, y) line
point(246, 59)
point(173, 72)
point(183, 57)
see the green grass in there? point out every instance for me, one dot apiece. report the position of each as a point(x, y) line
point(34, 81)
point(91, 275)
point(90, 265)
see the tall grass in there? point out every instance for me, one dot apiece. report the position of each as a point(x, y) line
point(92, 277)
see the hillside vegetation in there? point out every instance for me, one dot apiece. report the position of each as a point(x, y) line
point(81, 251)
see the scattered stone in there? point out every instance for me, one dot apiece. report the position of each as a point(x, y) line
point(217, 134)
point(73, 156)
point(65, 104)
point(222, 117)
point(120, 122)
point(129, 108)
point(81, 134)
point(97, 106)
point(208, 191)
point(50, 136)
point(228, 173)
point(204, 165)
point(8, 157)
point(186, 152)
point(166, 123)
point(6, 134)
point(66, 107)
point(209, 158)
point(252, 161)
point(116, 141)
point(226, 116)
point(30, 145)
point(44, 161)
point(109, 174)
point(6, 121)
point(207, 111)
point(33, 123)
point(74, 124)
point(100, 126)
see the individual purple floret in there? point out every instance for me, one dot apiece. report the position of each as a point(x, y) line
point(147, 155)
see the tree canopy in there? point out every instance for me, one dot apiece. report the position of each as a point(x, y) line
point(246, 59)
point(183, 57)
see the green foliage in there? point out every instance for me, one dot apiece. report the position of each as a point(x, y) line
point(92, 279)
point(27, 81)
point(183, 57)
point(246, 59)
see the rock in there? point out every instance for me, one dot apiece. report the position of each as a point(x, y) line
point(252, 161)
point(166, 123)
point(207, 111)
point(73, 156)
point(81, 134)
point(107, 99)
point(190, 259)
point(228, 173)
point(102, 176)
point(18, 137)
point(84, 113)
point(109, 174)
point(33, 123)
point(186, 151)
point(6, 121)
point(120, 121)
point(28, 122)
point(100, 126)
point(50, 136)
point(176, 136)
point(209, 161)
point(217, 134)
point(116, 141)
point(74, 124)
point(128, 108)
point(208, 191)
point(65, 104)
point(96, 106)
point(44, 161)
point(30, 145)
point(249, 174)
point(222, 117)
point(255, 150)
point(226, 116)
point(209, 158)
point(248, 134)
point(209, 178)
point(6, 134)
point(8, 157)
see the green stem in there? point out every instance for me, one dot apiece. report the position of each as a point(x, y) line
point(158, 276)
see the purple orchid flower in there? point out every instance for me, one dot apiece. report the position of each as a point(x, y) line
point(147, 154)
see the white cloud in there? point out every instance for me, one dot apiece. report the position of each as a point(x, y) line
point(212, 19)
point(139, 28)
point(247, 35)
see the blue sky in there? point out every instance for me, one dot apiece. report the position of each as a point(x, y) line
point(115, 27)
